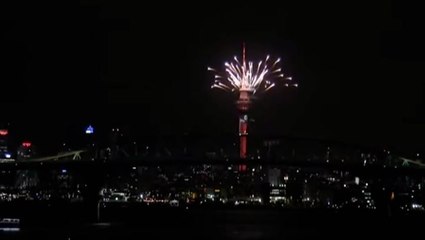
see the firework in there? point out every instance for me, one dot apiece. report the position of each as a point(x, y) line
point(249, 76)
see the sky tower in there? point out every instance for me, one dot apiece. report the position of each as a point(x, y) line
point(247, 79)
point(243, 104)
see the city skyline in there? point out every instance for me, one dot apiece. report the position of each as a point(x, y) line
point(114, 125)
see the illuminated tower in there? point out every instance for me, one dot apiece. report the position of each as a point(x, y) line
point(243, 105)
point(246, 79)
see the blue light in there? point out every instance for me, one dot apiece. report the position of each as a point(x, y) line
point(8, 155)
point(89, 130)
point(64, 171)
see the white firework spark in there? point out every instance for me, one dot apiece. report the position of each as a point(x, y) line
point(250, 76)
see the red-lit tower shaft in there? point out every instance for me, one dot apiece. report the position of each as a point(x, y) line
point(243, 105)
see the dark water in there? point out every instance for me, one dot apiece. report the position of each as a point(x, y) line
point(129, 222)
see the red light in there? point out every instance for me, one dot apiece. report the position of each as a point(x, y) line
point(3, 132)
point(26, 144)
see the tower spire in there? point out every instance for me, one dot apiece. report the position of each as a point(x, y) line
point(243, 54)
point(243, 83)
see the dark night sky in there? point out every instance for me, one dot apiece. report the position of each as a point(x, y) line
point(360, 68)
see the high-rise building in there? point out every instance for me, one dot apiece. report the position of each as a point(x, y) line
point(26, 178)
point(117, 144)
point(25, 151)
point(4, 148)
point(275, 177)
point(90, 142)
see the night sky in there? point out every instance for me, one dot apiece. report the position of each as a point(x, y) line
point(360, 69)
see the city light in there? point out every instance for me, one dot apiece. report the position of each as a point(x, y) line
point(89, 130)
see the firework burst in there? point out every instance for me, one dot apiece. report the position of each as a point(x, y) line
point(249, 76)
